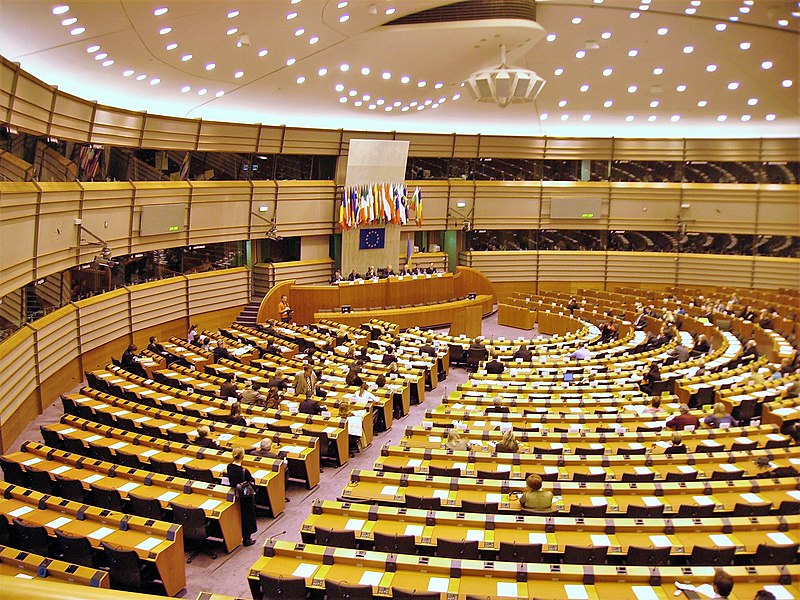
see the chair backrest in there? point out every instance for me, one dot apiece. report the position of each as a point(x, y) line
point(394, 544)
point(583, 510)
point(467, 549)
point(193, 521)
point(51, 438)
point(689, 510)
point(75, 549)
point(13, 472)
point(347, 591)
point(338, 538)
point(69, 405)
point(493, 474)
point(128, 460)
point(487, 508)
point(71, 489)
point(149, 508)
point(595, 555)
point(712, 557)
point(789, 507)
point(40, 481)
point(204, 475)
point(775, 555)
point(423, 502)
point(164, 467)
point(644, 512)
point(637, 477)
point(102, 453)
point(650, 557)
point(546, 450)
point(5, 531)
point(577, 476)
point(282, 587)
point(31, 538)
point(109, 499)
point(583, 451)
point(677, 476)
point(744, 509)
point(177, 436)
point(124, 567)
point(519, 553)
point(399, 594)
point(75, 446)
point(444, 471)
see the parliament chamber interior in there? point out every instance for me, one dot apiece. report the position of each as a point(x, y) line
point(338, 300)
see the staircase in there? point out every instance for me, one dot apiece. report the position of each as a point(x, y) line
point(249, 313)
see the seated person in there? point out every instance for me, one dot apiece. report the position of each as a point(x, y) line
point(683, 419)
point(346, 411)
point(274, 397)
point(720, 417)
point(428, 349)
point(431, 269)
point(353, 377)
point(228, 389)
point(130, 361)
point(455, 440)
point(387, 272)
point(364, 394)
point(251, 393)
point(389, 356)
point(337, 277)
point(310, 406)
point(354, 276)
point(494, 366)
point(678, 447)
point(370, 274)
point(204, 439)
point(524, 353)
point(509, 443)
point(652, 376)
point(722, 584)
point(582, 353)
point(220, 352)
point(264, 449)
point(535, 498)
point(701, 346)
point(154, 346)
point(404, 270)
point(680, 352)
point(654, 407)
point(750, 351)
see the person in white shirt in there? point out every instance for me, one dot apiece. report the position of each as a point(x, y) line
point(582, 353)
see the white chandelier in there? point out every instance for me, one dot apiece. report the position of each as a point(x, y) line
point(504, 84)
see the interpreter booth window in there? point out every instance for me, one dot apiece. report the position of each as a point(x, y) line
point(643, 241)
point(279, 250)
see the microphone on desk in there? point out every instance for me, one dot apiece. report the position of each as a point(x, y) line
point(272, 537)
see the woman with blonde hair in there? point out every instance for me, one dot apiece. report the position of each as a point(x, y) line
point(345, 409)
point(456, 441)
point(720, 417)
point(509, 443)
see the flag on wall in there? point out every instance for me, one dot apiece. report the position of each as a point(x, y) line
point(378, 203)
point(372, 238)
point(409, 250)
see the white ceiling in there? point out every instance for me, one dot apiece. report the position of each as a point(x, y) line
point(764, 102)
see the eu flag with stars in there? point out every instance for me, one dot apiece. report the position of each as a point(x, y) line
point(372, 239)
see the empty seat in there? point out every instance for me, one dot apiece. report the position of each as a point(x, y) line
point(126, 570)
point(282, 587)
point(580, 555)
point(712, 557)
point(31, 538)
point(71, 489)
point(697, 512)
point(636, 511)
point(109, 499)
point(583, 510)
point(13, 472)
point(195, 529)
point(394, 544)
point(457, 549)
point(338, 538)
point(637, 477)
point(677, 476)
point(149, 508)
point(164, 467)
point(51, 438)
point(742, 509)
point(40, 481)
point(444, 471)
point(75, 549)
point(347, 591)
point(204, 475)
point(400, 594)
point(649, 557)
point(486, 508)
point(767, 554)
point(519, 553)
point(423, 502)
point(577, 476)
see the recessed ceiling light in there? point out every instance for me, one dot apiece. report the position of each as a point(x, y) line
point(654, 104)
point(397, 103)
point(745, 45)
point(92, 49)
point(389, 108)
point(607, 72)
point(634, 15)
point(651, 118)
point(413, 104)
point(733, 85)
point(352, 93)
point(562, 103)
point(770, 117)
point(698, 2)
point(662, 31)
point(238, 74)
point(690, 11)
point(633, 52)
point(783, 22)
point(580, 54)
point(186, 88)
point(675, 118)
point(380, 102)
point(322, 72)
point(101, 56)
point(606, 35)
point(161, 11)
point(720, 26)
point(263, 52)
point(77, 31)
point(291, 16)
point(341, 4)
point(786, 83)
point(344, 67)
point(438, 85)
point(558, 71)
point(313, 39)
point(366, 97)
point(584, 87)
point(211, 66)
point(357, 103)
point(405, 79)
point(202, 92)
point(172, 46)
point(141, 77)
point(576, 20)
point(702, 103)
point(60, 10)
point(290, 61)
point(688, 49)
point(295, 1)
point(767, 64)
point(586, 117)
point(734, 19)
point(232, 30)
point(371, 107)
point(711, 68)
point(301, 79)
point(233, 14)
point(387, 75)
point(629, 118)
point(543, 116)
point(551, 37)
point(69, 21)
point(752, 101)
point(658, 71)
point(186, 57)
point(608, 103)
point(365, 71)
point(390, 11)
point(344, 18)
point(164, 30)
point(422, 84)
point(342, 99)
point(441, 100)
point(457, 96)
point(564, 117)
point(745, 118)
point(108, 63)
point(721, 118)
point(128, 72)
point(744, 9)
point(339, 87)
point(299, 32)
point(680, 88)
point(155, 81)
point(219, 94)
point(632, 89)
point(404, 109)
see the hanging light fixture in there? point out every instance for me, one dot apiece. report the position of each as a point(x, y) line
point(505, 84)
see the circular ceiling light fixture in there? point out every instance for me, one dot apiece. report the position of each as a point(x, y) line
point(504, 84)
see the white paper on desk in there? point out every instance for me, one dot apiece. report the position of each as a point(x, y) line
point(506, 588)
point(22, 510)
point(651, 501)
point(210, 504)
point(355, 426)
point(141, 419)
point(438, 584)
point(354, 524)
point(414, 462)
point(93, 478)
point(537, 538)
point(389, 490)
point(183, 460)
point(415, 530)
point(118, 445)
point(304, 570)
point(644, 592)
point(148, 544)
point(292, 449)
point(224, 437)
point(93, 438)
point(128, 487)
point(59, 522)
point(729, 467)
point(794, 494)
point(780, 538)
point(67, 430)
point(599, 501)
point(550, 470)
point(503, 468)
point(686, 469)
point(642, 470)
point(260, 474)
point(720, 539)
point(780, 592)
point(121, 413)
point(598, 539)
point(61, 469)
point(151, 452)
point(32, 461)
point(23, 576)
point(576, 591)
point(371, 578)
point(703, 500)
point(660, 541)
point(168, 496)
point(101, 406)
point(435, 439)
point(597, 471)
point(99, 534)
point(556, 446)
point(296, 425)
point(167, 426)
point(753, 498)
point(475, 535)
point(218, 468)
point(329, 430)
point(493, 497)
point(441, 494)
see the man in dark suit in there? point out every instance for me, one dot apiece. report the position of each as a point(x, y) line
point(524, 353)
point(204, 438)
point(428, 349)
point(310, 406)
point(130, 361)
point(154, 346)
point(389, 357)
point(220, 352)
point(494, 366)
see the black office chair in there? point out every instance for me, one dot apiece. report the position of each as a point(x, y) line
point(747, 410)
point(282, 587)
point(726, 475)
point(110, 499)
point(743, 446)
point(444, 471)
point(696, 512)
point(151, 431)
point(678, 476)
point(70, 407)
point(627, 451)
point(637, 477)
point(778, 443)
point(71, 489)
point(587, 511)
point(338, 538)
point(75, 446)
point(102, 453)
point(703, 397)
point(396, 469)
point(394, 544)
point(5, 531)
point(493, 474)
point(178, 437)
point(163, 467)
point(487, 508)
point(126, 459)
point(399, 594)
point(195, 529)
point(547, 450)
point(703, 448)
point(519, 553)
point(775, 555)
point(636, 511)
point(423, 502)
point(149, 508)
point(96, 383)
point(457, 354)
point(347, 591)
point(85, 412)
point(743, 509)
point(789, 507)
point(467, 549)
point(712, 557)
point(40, 481)
point(475, 356)
point(31, 538)
point(580, 555)
point(76, 549)
point(584, 451)
point(588, 476)
point(50, 438)
point(125, 569)
point(204, 475)
point(13, 472)
point(647, 557)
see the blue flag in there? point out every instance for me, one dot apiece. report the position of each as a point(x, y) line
point(372, 239)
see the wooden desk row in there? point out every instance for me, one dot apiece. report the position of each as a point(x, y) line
point(392, 488)
point(154, 541)
point(269, 474)
point(456, 579)
point(18, 564)
point(681, 535)
point(302, 452)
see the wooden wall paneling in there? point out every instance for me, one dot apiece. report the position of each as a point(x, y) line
point(117, 127)
point(227, 137)
point(723, 150)
point(555, 265)
point(501, 146)
point(18, 203)
point(466, 146)
point(106, 212)
point(579, 148)
point(19, 400)
point(213, 199)
point(57, 236)
point(778, 209)
point(305, 207)
point(269, 139)
point(218, 290)
point(72, 117)
point(648, 149)
point(708, 213)
point(262, 193)
point(299, 140)
point(427, 145)
point(305, 272)
point(170, 133)
point(32, 102)
point(644, 206)
point(562, 191)
point(505, 205)
point(708, 269)
point(502, 266)
point(13, 168)
point(105, 327)
point(56, 352)
point(347, 135)
point(160, 192)
point(11, 307)
point(435, 197)
point(8, 84)
point(645, 268)
point(152, 302)
point(772, 273)
point(779, 149)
